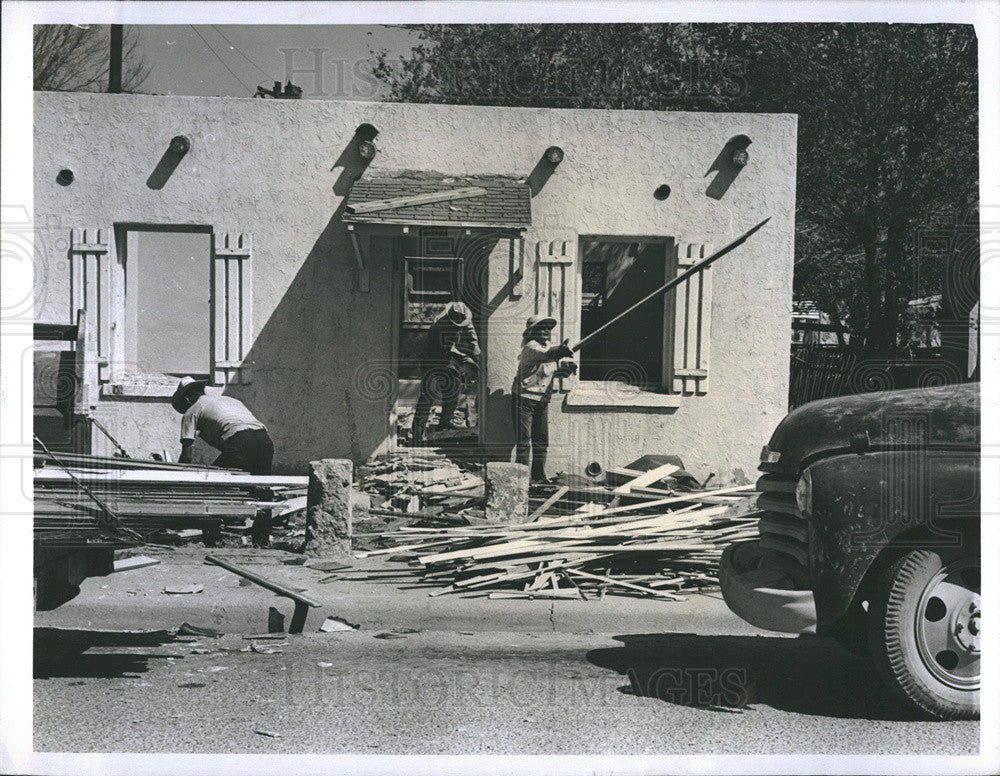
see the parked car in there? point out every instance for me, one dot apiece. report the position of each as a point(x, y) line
point(870, 533)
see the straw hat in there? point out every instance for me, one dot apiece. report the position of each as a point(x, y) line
point(458, 313)
point(184, 388)
point(539, 322)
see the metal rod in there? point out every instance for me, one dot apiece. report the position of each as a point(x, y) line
point(107, 433)
point(675, 282)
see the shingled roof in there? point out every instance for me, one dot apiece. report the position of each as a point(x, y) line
point(506, 202)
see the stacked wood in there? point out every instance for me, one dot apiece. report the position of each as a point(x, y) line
point(658, 547)
point(74, 494)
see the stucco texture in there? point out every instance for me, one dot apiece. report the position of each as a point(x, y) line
point(278, 169)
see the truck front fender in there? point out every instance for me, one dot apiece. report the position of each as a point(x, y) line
point(864, 505)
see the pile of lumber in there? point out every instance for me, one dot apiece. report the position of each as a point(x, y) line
point(412, 482)
point(657, 547)
point(76, 493)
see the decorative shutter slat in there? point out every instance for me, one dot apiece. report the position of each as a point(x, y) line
point(692, 322)
point(232, 312)
point(551, 290)
point(90, 290)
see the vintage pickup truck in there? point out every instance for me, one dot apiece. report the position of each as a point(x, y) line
point(870, 533)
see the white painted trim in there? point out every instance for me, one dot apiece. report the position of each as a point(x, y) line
point(600, 395)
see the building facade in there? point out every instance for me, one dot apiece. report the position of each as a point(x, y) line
point(295, 252)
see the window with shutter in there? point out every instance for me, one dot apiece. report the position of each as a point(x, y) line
point(161, 301)
point(659, 352)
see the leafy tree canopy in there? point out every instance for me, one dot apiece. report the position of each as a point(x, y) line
point(888, 130)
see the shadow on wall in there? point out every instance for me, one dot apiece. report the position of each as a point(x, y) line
point(306, 357)
point(727, 166)
point(499, 427)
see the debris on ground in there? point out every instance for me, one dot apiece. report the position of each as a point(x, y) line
point(646, 529)
point(334, 624)
point(183, 589)
point(134, 562)
point(187, 629)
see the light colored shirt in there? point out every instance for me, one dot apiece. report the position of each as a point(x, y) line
point(535, 369)
point(216, 418)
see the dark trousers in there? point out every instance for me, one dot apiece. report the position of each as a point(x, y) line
point(250, 451)
point(439, 382)
point(531, 430)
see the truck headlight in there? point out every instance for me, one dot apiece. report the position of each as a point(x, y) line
point(804, 494)
point(767, 455)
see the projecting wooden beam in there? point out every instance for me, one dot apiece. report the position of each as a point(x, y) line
point(416, 199)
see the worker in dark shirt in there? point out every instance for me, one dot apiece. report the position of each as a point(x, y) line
point(449, 356)
point(226, 424)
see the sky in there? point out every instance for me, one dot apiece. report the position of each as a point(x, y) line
point(328, 62)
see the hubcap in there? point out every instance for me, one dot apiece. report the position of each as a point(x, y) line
point(947, 624)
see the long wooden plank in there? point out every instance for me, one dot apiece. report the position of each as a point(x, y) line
point(507, 576)
point(399, 548)
point(571, 593)
point(647, 478)
point(218, 477)
point(545, 541)
point(376, 205)
point(620, 583)
point(547, 503)
point(270, 584)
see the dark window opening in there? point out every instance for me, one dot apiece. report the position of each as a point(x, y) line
point(615, 275)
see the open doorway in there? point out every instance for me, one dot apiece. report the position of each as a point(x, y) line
point(440, 339)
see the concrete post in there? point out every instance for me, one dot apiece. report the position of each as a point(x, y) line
point(330, 508)
point(506, 492)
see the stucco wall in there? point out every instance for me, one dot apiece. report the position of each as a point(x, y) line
point(266, 167)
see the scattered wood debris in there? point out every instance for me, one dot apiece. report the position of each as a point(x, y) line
point(658, 547)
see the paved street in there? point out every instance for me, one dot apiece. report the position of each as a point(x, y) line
point(508, 677)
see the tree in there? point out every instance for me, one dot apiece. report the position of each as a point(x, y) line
point(888, 130)
point(72, 58)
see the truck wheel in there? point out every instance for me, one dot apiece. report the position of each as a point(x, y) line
point(923, 630)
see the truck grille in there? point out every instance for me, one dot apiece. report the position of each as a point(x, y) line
point(784, 535)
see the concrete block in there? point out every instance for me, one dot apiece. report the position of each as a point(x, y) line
point(506, 492)
point(330, 508)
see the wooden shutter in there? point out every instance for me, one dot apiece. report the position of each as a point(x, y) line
point(92, 289)
point(232, 306)
point(692, 321)
point(553, 287)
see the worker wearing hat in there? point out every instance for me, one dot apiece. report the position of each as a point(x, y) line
point(537, 365)
point(448, 358)
point(226, 424)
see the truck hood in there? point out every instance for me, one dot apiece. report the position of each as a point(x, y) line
point(945, 416)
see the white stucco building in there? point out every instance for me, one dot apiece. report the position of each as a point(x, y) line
point(236, 238)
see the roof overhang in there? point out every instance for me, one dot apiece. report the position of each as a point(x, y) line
point(433, 200)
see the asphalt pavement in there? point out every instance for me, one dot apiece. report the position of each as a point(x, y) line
point(444, 675)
